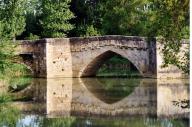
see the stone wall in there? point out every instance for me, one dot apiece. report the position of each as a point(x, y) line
point(152, 57)
point(37, 50)
point(79, 44)
point(171, 71)
point(88, 54)
point(82, 57)
point(58, 56)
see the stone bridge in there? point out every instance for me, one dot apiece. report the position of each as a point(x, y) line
point(82, 57)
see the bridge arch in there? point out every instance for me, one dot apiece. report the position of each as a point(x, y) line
point(90, 68)
point(27, 61)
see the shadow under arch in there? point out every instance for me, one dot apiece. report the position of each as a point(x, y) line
point(27, 61)
point(110, 90)
point(91, 69)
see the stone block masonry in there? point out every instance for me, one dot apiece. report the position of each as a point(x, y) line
point(82, 57)
point(59, 59)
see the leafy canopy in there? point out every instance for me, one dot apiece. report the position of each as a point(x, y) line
point(55, 18)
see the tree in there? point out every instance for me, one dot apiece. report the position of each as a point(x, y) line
point(172, 23)
point(123, 17)
point(55, 18)
point(12, 23)
point(12, 18)
point(88, 18)
point(32, 12)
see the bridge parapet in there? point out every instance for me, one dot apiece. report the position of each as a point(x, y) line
point(29, 46)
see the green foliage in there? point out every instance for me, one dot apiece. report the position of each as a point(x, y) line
point(12, 23)
point(55, 18)
point(9, 66)
point(12, 19)
point(171, 51)
point(88, 18)
point(172, 22)
point(7, 58)
point(86, 31)
point(32, 13)
point(4, 98)
point(91, 31)
point(123, 17)
point(9, 115)
point(32, 37)
point(32, 6)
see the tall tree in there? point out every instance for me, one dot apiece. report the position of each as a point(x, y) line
point(55, 18)
point(32, 12)
point(88, 17)
point(12, 16)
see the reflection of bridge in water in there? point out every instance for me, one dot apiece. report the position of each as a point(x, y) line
point(65, 97)
point(89, 99)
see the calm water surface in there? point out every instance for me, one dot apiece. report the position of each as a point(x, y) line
point(100, 102)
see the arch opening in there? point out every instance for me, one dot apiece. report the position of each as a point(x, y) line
point(110, 64)
point(26, 60)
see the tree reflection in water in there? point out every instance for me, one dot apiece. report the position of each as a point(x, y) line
point(39, 121)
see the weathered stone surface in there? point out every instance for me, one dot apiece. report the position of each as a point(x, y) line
point(173, 97)
point(58, 55)
point(171, 71)
point(82, 57)
point(37, 60)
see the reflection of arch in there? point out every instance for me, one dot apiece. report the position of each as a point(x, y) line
point(111, 90)
point(36, 91)
point(142, 91)
point(91, 68)
point(142, 100)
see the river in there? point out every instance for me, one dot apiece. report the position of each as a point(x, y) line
point(100, 102)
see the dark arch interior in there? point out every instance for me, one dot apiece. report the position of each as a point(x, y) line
point(110, 64)
point(27, 61)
